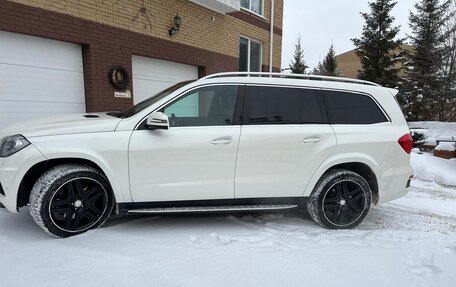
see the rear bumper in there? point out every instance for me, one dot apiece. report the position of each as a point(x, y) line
point(12, 171)
point(395, 183)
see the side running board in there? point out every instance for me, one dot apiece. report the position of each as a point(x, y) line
point(211, 208)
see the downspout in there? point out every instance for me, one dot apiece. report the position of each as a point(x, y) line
point(271, 37)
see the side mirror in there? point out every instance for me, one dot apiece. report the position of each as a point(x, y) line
point(157, 121)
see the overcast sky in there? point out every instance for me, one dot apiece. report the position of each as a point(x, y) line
point(322, 21)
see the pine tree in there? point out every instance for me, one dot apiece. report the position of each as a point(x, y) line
point(447, 110)
point(298, 64)
point(423, 96)
point(378, 49)
point(328, 67)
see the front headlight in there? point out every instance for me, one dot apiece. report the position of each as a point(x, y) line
point(12, 144)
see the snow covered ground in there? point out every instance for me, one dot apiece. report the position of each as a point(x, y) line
point(408, 242)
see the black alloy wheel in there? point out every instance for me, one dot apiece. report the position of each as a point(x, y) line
point(70, 199)
point(78, 204)
point(344, 203)
point(341, 199)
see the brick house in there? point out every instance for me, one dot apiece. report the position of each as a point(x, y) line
point(58, 56)
point(349, 63)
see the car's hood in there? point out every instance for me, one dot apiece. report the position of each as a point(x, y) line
point(63, 124)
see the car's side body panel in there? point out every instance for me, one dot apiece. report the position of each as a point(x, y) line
point(279, 160)
point(183, 163)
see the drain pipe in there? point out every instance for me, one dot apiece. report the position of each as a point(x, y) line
point(271, 37)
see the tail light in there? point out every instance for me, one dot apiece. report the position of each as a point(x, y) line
point(406, 142)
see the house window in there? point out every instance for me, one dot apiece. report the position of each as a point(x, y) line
point(256, 6)
point(249, 55)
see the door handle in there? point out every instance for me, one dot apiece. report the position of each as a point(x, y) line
point(311, 139)
point(222, 141)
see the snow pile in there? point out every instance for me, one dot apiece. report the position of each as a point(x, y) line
point(446, 138)
point(446, 146)
point(430, 141)
point(434, 129)
point(434, 169)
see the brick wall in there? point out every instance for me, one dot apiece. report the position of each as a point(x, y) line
point(198, 30)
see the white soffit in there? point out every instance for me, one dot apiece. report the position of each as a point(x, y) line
point(220, 6)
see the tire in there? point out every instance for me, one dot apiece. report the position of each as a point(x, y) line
point(70, 199)
point(340, 200)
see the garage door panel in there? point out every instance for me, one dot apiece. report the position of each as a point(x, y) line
point(39, 77)
point(19, 83)
point(39, 52)
point(151, 76)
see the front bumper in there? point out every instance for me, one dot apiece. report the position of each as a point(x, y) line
point(13, 170)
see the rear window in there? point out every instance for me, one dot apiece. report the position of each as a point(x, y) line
point(350, 108)
point(274, 105)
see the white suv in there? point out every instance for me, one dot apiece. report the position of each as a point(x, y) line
point(231, 141)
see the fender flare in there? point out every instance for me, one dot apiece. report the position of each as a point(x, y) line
point(120, 195)
point(337, 160)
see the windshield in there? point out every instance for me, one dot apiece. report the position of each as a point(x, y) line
point(146, 103)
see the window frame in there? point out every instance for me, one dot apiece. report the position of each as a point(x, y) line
point(321, 104)
point(330, 116)
point(261, 15)
point(249, 45)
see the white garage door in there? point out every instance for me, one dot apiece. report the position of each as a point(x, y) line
point(38, 78)
point(151, 76)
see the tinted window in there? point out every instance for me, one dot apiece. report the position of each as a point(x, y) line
point(268, 105)
point(349, 108)
point(208, 106)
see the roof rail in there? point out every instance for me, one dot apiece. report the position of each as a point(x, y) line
point(301, 76)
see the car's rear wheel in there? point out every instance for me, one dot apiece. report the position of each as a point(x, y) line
point(340, 200)
point(71, 199)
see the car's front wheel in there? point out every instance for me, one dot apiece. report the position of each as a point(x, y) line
point(71, 199)
point(340, 200)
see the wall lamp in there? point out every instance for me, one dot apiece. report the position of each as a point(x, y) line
point(176, 27)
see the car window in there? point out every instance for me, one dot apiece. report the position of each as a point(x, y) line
point(208, 106)
point(276, 105)
point(351, 108)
